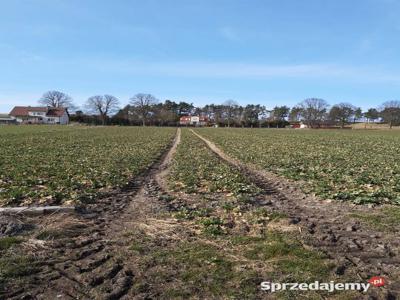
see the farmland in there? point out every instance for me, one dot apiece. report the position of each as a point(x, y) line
point(357, 166)
point(201, 220)
point(53, 165)
point(229, 212)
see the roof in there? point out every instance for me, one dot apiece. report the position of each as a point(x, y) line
point(56, 112)
point(5, 117)
point(23, 110)
point(20, 111)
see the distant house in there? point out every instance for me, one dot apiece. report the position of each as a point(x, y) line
point(298, 125)
point(40, 115)
point(6, 119)
point(193, 121)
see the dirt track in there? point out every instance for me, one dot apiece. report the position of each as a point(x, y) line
point(89, 260)
point(92, 258)
point(327, 225)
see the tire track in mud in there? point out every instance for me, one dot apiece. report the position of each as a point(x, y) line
point(91, 262)
point(323, 225)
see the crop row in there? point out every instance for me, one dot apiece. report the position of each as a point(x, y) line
point(51, 165)
point(234, 247)
point(197, 170)
point(358, 166)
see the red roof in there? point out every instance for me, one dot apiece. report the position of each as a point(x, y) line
point(56, 112)
point(22, 111)
point(188, 118)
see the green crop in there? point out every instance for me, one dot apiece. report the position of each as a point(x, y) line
point(54, 164)
point(358, 166)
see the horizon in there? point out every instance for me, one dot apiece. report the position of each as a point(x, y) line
point(201, 52)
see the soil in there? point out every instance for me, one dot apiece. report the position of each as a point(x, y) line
point(87, 255)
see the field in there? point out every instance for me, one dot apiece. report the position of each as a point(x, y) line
point(55, 165)
point(197, 213)
point(357, 166)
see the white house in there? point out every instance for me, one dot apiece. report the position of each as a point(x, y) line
point(40, 115)
point(193, 120)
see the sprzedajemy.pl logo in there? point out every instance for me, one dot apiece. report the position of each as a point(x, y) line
point(330, 287)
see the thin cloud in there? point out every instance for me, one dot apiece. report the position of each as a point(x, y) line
point(246, 70)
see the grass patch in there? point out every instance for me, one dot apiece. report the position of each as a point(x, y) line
point(15, 267)
point(289, 258)
point(8, 242)
point(388, 219)
point(50, 235)
point(204, 270)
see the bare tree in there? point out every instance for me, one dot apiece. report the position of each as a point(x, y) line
point(313, 111)
point(102, 106)
point(143, 105)
point(57, 99)
point(229, 110)
point(390, 112)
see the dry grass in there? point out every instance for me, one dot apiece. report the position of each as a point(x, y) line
point(373, 126)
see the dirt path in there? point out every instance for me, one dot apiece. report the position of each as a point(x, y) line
point(91, 255)
point(325, 225)
point(87, 255)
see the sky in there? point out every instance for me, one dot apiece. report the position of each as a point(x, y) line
point(204, 51)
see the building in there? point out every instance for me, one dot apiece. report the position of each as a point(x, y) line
point(298, 125)
point(40, 115)
point(6, 119)
point(193, 121)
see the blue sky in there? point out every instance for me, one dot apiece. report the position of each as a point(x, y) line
point(267, 52)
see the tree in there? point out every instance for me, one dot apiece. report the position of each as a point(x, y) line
point(372, 114)
point(102, 106)
point(184, 108)
point(391, 112)
point(295, 114)
point(313, 111)
point(142, 104)
point(280, 113)
point(56, 99)
point(229, 107)
point(265, 117)
point(165, 113)
point(341, 113)
point(251, 114)
point(358, 114)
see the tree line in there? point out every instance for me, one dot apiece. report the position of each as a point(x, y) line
point(145, 109)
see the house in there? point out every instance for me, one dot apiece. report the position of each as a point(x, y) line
point(5, 119)
point(40, 115)
point(193, 121)
point(185, 120)
point(298, 125)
